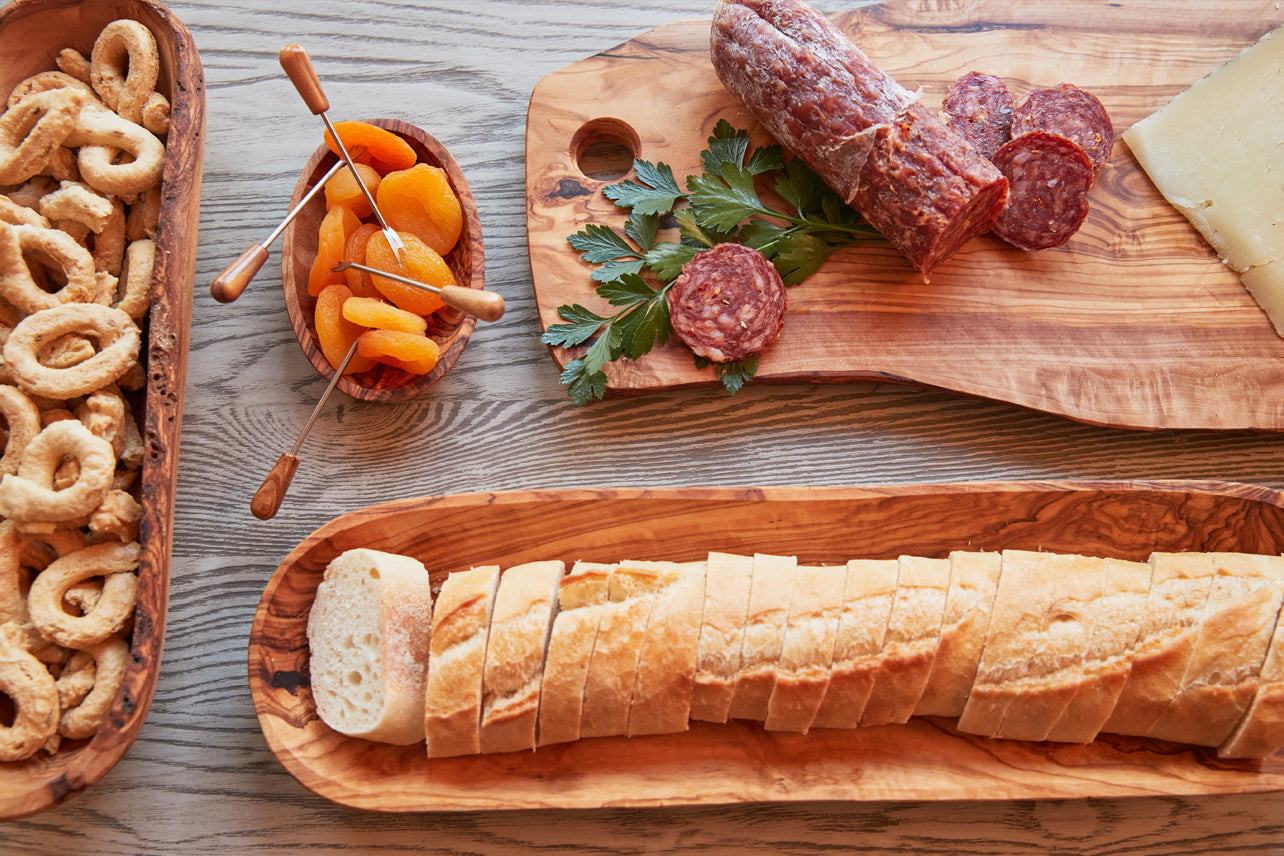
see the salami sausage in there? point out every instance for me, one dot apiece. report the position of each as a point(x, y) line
point(728, 303)
point(979, 107)
point(913, 179)
point(1048, 178)
point(1067, 110)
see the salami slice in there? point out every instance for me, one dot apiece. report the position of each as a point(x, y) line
point(728, 303)
point(979, 108)
point(1067, 110)
point(1048, 179)
point(913, 179)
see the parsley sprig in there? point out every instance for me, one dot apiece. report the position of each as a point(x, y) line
point(723, 204)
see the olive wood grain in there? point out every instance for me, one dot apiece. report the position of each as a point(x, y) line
point(1134, 323)
point(32, 32)
point(382, 383)
point(923, 760)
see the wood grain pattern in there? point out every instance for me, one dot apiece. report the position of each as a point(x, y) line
point(925, 760)
point(31, 34)
point(451, 330)
point(1134, 323)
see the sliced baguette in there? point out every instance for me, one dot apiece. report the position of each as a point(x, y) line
point(581, 597)
point(514, 670)
point(666, 665)
point(456, 659)
point(1260, 733)
point(1235, 632)
point(807, 652)
point(868, 594)
point(913, 634)
point(722, 632)
point(974, 581)
point(613, 666)
point(1108, 661)
point(1053, 669)
point(769, 595)
point(1179, 587)
point(368, 646)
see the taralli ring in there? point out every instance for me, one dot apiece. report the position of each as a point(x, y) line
point(30, 496)
point(47, 80)
point(33, 129)
point(136, 278)
point(124, 67)
point(23, 419)
point(102, 136)
point(60, 251)
point(113, 560)
point(82, 720)
point(118, 342)
point(26, 681)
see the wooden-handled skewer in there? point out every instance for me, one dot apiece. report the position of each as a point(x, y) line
point(229, 284)
point(298, 67)
point(267, 499)
point(486, 305)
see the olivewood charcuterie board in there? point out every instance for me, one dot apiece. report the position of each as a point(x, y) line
point(1134, 323)
point(925, 759)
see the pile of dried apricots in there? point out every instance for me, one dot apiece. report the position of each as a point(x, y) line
point(387, 319)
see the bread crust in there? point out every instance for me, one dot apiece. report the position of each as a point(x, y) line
point(661, 701)
point(769, 596)
point(974, 581)
point(457, 657)
point(807, 652)
point(722, 632)
point(868, 594)
point(581, 594)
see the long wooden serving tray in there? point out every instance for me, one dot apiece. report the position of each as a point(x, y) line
point(925, 759)
point(1134, 323)
point(32, 32)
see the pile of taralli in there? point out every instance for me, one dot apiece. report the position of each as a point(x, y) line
point(81, 156)
point(1015, 645)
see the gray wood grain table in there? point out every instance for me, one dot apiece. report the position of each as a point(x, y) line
point(200, 779)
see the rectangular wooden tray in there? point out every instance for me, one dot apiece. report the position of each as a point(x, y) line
point(1134, 323)
point(925, 759)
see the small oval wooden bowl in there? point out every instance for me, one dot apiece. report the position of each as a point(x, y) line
point(450, 330)
point(32, 32)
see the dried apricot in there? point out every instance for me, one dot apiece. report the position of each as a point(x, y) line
point(355, 251)
point(372, 312)
point(406, 349)
point(342, 189)
point(332, 238)
point(384, 150)
point(420, 200)
point(421, 263)
point(335, 334)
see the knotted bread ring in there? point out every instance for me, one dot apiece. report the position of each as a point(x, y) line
point(102, 136)
point(28, 683)
point(116, 561)
point(29, 496)
point(118, 338)
point(23, 419)
point(46, 80)
point(110, 658)
point(124, 67)
point(136, 278)
point(33, 129)
point(60, 251)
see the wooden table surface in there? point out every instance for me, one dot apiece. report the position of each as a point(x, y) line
point(200, 778)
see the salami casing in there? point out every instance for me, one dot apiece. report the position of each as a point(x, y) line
point(979, 108)
point(728, 303)
point(1067, 110)
point(913, 179)
point(1048, 178)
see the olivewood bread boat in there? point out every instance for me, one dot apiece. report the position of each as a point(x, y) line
point(382, 383)
point(32, 32)
point(926, 759)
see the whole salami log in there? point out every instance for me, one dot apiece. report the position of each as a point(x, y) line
point(728, 303)
point(979, 107)
point(1049, 177)
point(913, 179)
point(1067, 110)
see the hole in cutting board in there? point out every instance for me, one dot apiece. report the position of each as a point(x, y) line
point(604, 149)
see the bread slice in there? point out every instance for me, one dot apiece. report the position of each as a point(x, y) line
point(456, 659)
point(913, 634)
point(368, 646)
point(769, 595)
point(722, 633)
point(582, 596)
point(1179, 587)
point(666, 666)
point(868, 594)
point(1222, 675)
point(1108, 661)
point(1260, 733)
point(815, 607)
point(974, 581)
point(613, 666)
point(1052, 670)
point(514, 671)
